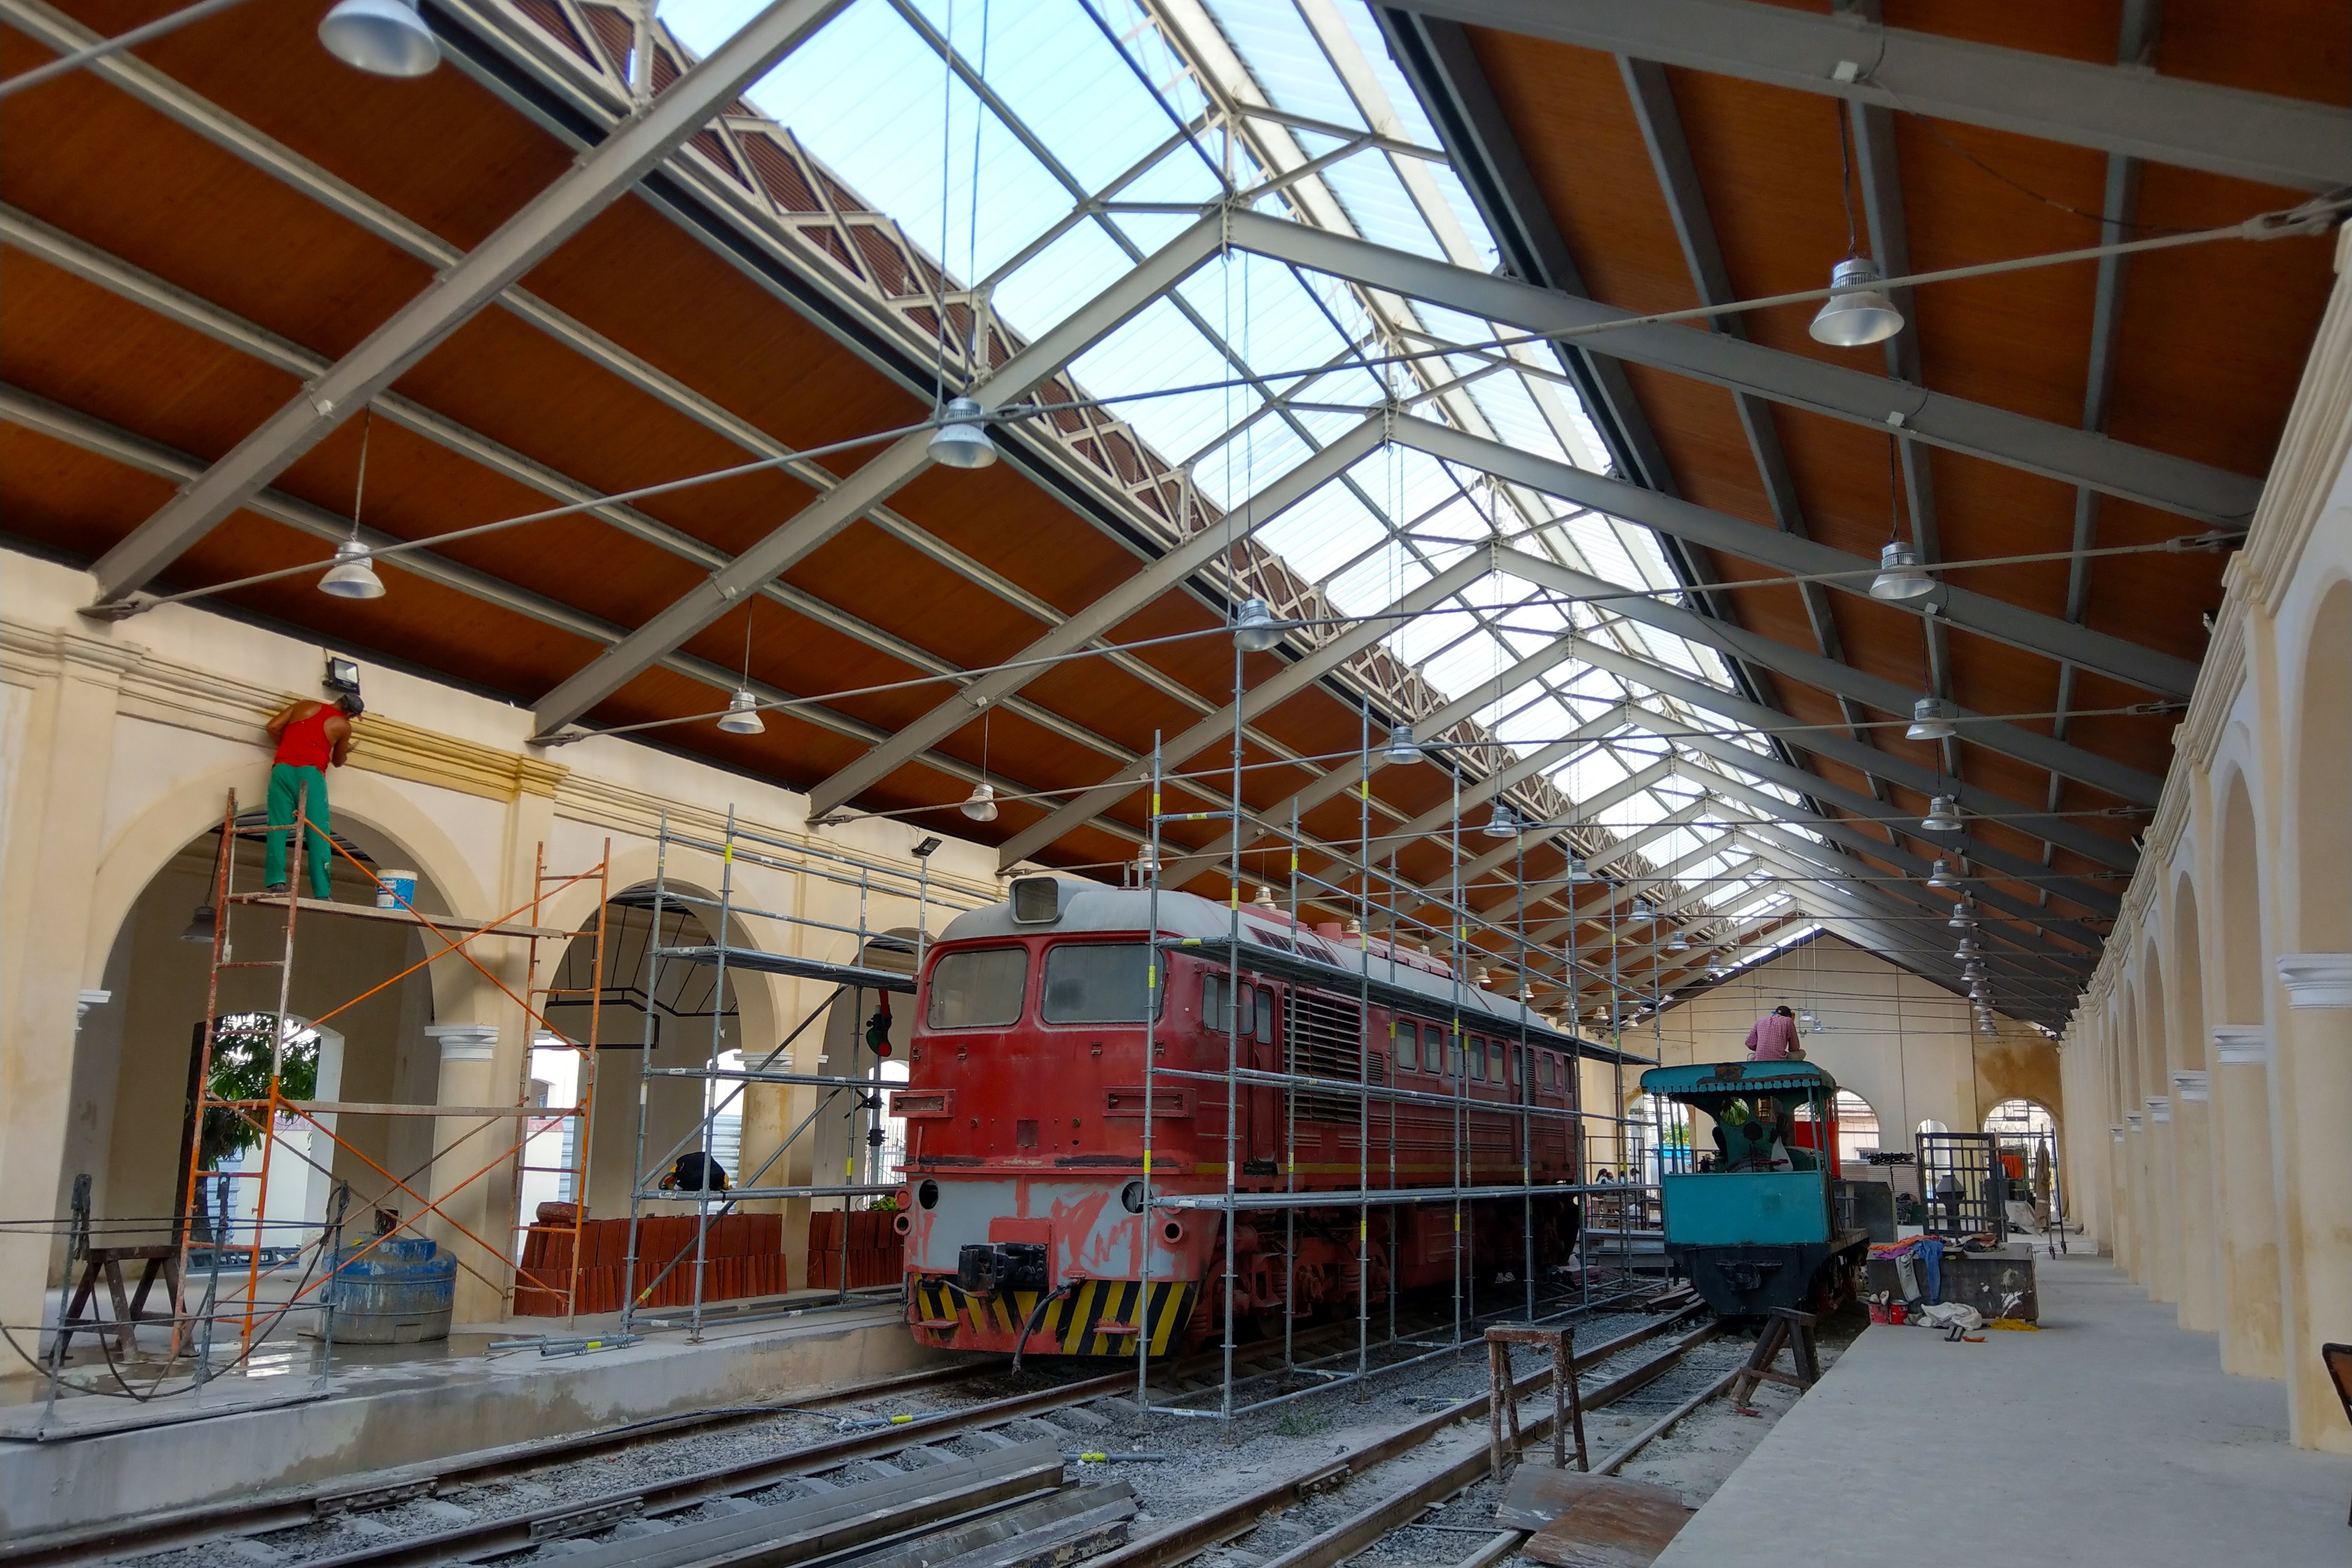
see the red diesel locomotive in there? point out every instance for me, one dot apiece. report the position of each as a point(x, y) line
point(1025, 1114)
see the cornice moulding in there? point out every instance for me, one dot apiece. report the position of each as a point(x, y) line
point(2317, 979)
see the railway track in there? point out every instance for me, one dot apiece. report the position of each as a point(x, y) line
point(913, 1442)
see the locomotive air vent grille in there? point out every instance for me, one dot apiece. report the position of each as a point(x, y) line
point(1327, 1040)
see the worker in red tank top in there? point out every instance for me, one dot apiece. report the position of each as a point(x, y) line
point(311, 738)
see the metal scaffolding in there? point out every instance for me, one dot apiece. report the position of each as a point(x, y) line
point(854, 1098)
point(1378, 899)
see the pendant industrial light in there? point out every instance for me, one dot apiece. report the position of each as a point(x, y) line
point(961, 440)
point(1931, 720)
point(1255, 626)
point(1942, 816)
point(981, 804)
point(1643, 910)
point(353, 575)
point(1939, 876)
point(1962, 917)
point(742, 715)
point(201, 925)
point(1146, 863)
point(1502, 823)
point(1679, 942)
point(382, 37)
point(1578, 865)
point(1899, 576)
point(1402, 746)
point(1859, 314)
point(1265, 898)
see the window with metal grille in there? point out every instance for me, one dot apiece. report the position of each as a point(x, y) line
point(1326, 1039)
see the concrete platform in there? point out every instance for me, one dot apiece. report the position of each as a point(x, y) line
point(98, 1459)
point(2111, 1437)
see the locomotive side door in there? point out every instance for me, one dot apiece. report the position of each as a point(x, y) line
point(1265, 1103)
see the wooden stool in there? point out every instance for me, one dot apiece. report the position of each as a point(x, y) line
point(1503, 1404)
point(1791, 1328)
point(162, 1260)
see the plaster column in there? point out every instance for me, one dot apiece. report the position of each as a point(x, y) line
point(2165, 1255)
point(470, 1054)
point(2246, 1202)
point(2313, 1068)
point(2193, 1147)
point(48, 955)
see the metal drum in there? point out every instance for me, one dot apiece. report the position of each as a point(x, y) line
point(394, 1292)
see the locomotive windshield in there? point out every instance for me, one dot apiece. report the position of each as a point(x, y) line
point(1098, 983)
point(979, 988)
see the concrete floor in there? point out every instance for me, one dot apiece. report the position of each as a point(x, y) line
point(276, 1427)
point(2111, 1437)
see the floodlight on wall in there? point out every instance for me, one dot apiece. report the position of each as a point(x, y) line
point(1860, 316)
point(382, 37)
point(202, 925)
point(742, 715)
point(1402, 746)
point(961, 440)
point(1504, 823)
point(1938, 875)
point(981, 803)
point(1256, 629)
point(1942, 816)
point(1899, 576)
point(352, 576)
point(1931, 720)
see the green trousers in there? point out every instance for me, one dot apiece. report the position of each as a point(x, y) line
point(288, 784)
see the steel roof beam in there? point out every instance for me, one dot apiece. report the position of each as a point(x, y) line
point(591, 184)
point(2225, 131)
point(1289, 681)
point(2057, 451)
point(1981, 613)
point(1096, 620)
point(1838, 678)
point(882, 477)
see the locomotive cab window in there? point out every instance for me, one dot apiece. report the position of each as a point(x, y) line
point(1408, 1049)
point(1477, 1052)
point(981, 988)
point(1257, 1001)
point(1494, 1060)
point(1098, 983)
point(1433, 1051)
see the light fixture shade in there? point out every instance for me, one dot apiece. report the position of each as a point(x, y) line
point(1578, 865)
point(382, 37)
point(1961, 919)
point(1679, 942)
point(1942, 816)
point(1502, 823)
point(1899, 576)
point(981, 804)
point(1403, 747)
point(352, 576)
point(742, 716)
point(1864, 316)
point(1255, 628)
point(1938, 875)
point(1146, 863)
point(1931, 720)
point(1643, 910)
point(201, 925)
point(961, 440)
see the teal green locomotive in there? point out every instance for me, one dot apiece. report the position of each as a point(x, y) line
point(1754, 1223)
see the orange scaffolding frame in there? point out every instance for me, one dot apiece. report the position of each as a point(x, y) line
point(453, 936)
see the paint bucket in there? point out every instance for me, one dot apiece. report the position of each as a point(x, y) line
point(395, 890)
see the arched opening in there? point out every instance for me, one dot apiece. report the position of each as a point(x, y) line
point(2248, 1212)
point(2323, 822)
point(2028, 1150)
point(136, 1059)
point(1857, 1127)
point(1658, 1135)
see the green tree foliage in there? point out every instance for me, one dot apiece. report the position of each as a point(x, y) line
point(240, 1070)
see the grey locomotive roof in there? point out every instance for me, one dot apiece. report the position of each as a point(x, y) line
point(1089, 907)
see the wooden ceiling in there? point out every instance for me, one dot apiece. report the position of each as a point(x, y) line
point(225, 279)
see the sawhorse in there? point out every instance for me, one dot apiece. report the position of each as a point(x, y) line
point(163, 1262)
point(1503, 1404)
point(1794, 1330)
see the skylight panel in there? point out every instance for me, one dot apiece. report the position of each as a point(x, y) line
point(1376, 201)
point(1589, 774)
point(1322, 533)
point(1285, 59)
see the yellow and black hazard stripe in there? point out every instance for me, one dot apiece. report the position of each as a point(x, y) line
point(1095, 1317)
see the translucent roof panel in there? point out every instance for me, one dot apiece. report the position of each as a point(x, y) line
point(1037, 151)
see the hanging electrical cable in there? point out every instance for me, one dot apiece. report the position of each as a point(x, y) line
point(353, 575)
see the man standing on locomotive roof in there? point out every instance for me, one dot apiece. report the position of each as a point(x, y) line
point(311, 738)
